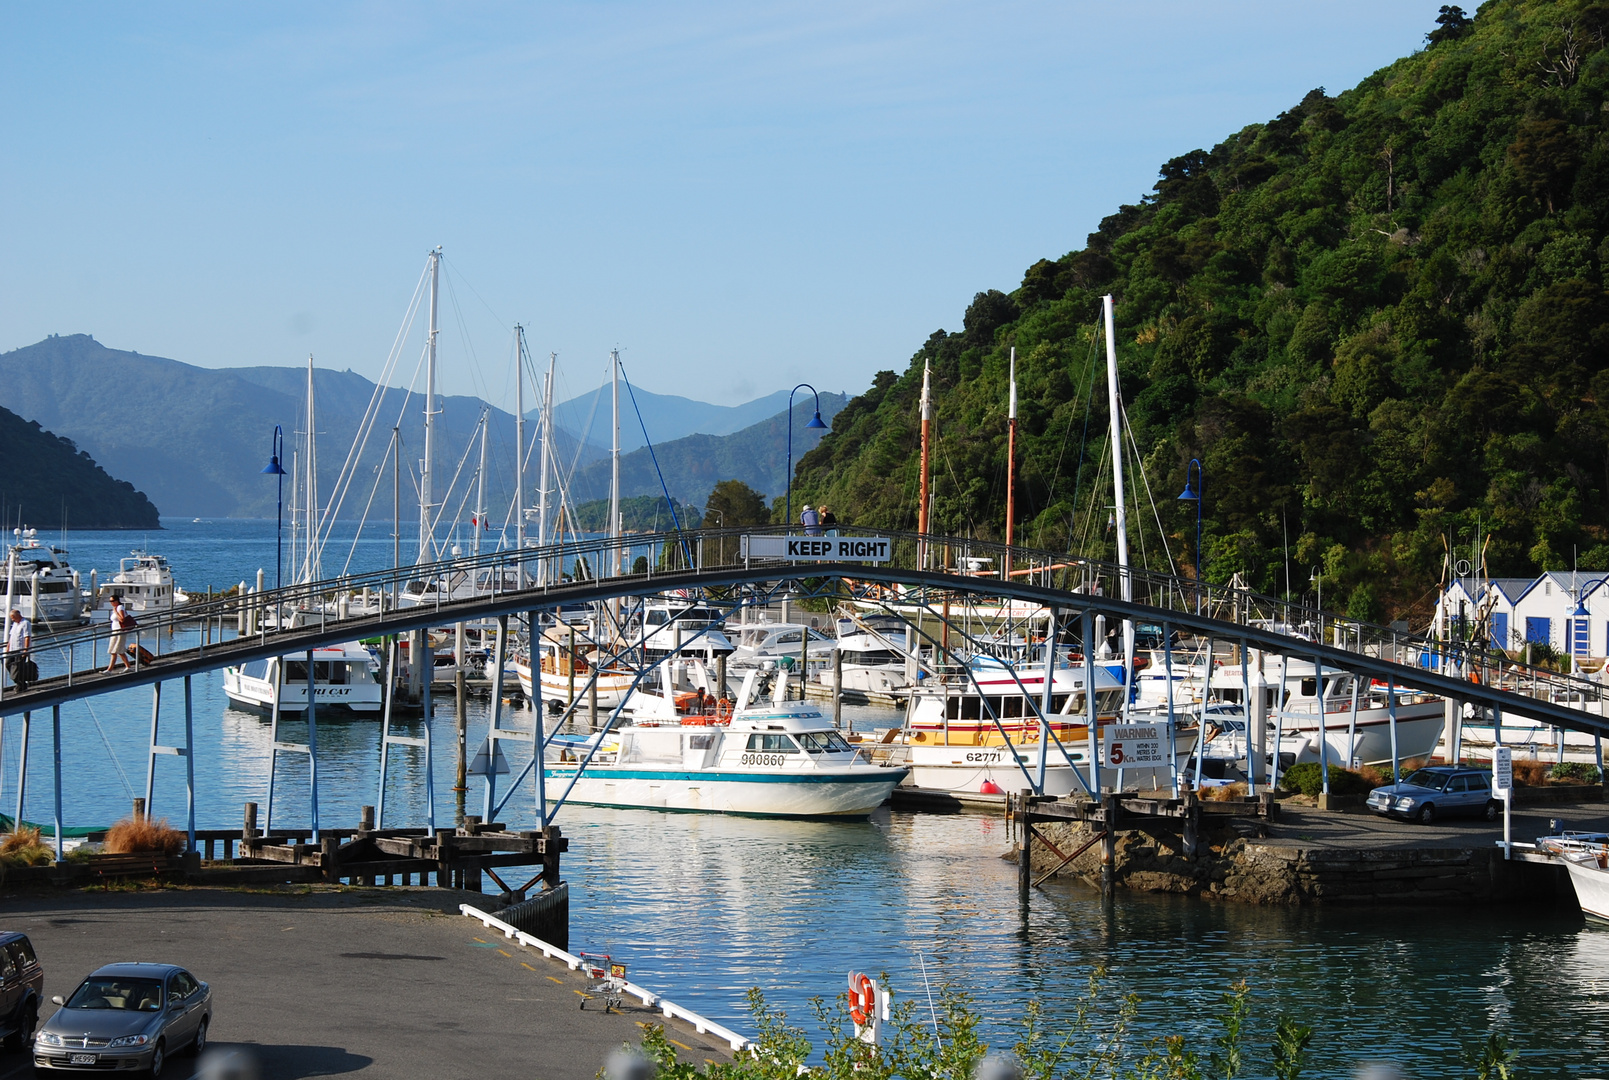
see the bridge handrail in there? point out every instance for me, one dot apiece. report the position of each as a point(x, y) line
point(506, 568)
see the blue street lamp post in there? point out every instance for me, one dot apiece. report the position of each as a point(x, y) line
point(274, 468)
point(815, 422)
point(1195, 493)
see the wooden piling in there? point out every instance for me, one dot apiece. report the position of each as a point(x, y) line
point(1025, 857)
point(365, 819)
point(249, 829)
point(139, 809)
point(329, 858)
point(1109, 812)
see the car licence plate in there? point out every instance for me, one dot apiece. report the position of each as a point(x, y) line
point(82, 1059)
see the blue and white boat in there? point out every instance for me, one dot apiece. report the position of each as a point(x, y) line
point(780, 759)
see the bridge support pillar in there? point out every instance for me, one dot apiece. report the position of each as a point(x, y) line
point(1257, 715)
point(1452, 733)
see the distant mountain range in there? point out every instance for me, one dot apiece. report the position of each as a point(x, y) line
point(48, 483)
point(666, 416)
point(196, 439)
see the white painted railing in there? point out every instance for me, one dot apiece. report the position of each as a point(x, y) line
point(701, 1024)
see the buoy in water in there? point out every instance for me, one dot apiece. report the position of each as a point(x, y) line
point(991, 788)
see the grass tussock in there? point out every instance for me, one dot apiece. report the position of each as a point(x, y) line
point(142, 835)
point(24, 848)
point(1224, 792)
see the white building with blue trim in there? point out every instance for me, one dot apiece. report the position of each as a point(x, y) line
point(1565, 610)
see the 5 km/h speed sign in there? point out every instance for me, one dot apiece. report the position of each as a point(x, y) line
point(1134, 745)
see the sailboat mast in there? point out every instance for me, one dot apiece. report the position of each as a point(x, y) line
point(1011, 461)
point(1120, 511)
point(614, 458)
point(310, 539)
point(426, 541)
point(519, 447)
point(927, 428)
point(543, 535)
point(480, 483)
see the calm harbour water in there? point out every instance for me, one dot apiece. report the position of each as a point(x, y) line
point(703, 907)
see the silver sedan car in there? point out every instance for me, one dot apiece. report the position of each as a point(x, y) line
point(126, 1017)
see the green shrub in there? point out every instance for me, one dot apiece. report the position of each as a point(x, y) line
point(1574, 772)
point(1306, 779)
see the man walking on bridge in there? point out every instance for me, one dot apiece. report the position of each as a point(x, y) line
point(19, 638)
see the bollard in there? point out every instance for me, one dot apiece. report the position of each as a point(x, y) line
point(365, 819)
point(444, 850)
point(329, 858)
point(139, 809)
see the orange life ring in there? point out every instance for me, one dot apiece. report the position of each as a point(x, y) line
point(862, 998)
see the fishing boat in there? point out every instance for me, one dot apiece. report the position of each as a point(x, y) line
point(778, 759)
point(345, 677)
point(565, 661)
point(144, 581)
point(41, 584)
point(982, 734)
point(1589, 873)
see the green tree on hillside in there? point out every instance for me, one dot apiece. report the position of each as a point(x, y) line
point(1378, 319)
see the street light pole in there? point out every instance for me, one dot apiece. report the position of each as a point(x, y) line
point(1195, 493)
point(274, 468)
point(815, 422)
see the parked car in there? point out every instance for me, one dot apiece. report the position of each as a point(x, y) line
point(1438, 791)
point(22, 980)
point(126, 1016)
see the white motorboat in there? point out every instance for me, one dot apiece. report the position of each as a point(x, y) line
point(1590, 876)
point(344, 677)
point(783, 759)
point(762, 644)
point(40, 583)
point(678, 628)
point(1363, 740)
point(874, 654)
point(145, 582)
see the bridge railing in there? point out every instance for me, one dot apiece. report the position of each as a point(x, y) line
point(376, 595)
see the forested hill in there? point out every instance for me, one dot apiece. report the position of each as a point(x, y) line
point(1378, 319)
point(47, 482)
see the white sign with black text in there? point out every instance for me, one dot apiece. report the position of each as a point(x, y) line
point(1134, 745)
point(871, 549)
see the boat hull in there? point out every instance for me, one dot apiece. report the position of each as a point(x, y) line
point(851, 794)
point(1591, 887)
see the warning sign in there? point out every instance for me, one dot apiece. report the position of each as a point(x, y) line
point(1134, 745)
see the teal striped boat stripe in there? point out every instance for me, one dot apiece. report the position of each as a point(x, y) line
point(891, 775)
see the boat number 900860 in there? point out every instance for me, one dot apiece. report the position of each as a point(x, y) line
point(764, 759)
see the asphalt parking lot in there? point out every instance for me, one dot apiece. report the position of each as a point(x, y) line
point(1307, 827)
point(372, 983)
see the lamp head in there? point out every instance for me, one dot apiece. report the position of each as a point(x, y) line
point(815, 421)
point(1189, 493)
point(273, 467)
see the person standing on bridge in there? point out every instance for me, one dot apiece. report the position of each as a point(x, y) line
point(829, 520)
point(120, 620)
point(19, 638)
point(811, 521)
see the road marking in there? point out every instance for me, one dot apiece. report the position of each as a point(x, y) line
point(684, 1046)
point(583, 993)
point(526, 966)
point(552, 979)
point(507, 954)
point(481, 940)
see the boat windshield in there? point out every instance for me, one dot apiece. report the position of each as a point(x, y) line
point(774, 744)
point(824, 742)
point(1426, 779)
point(144, 995)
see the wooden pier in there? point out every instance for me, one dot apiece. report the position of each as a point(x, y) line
point(1023, 810)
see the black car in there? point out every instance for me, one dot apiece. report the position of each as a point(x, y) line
point(1438, 791)
point(22, 980)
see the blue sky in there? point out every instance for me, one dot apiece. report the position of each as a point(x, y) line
point(739, 196)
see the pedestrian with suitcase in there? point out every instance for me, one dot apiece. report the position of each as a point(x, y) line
point(19, 639)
